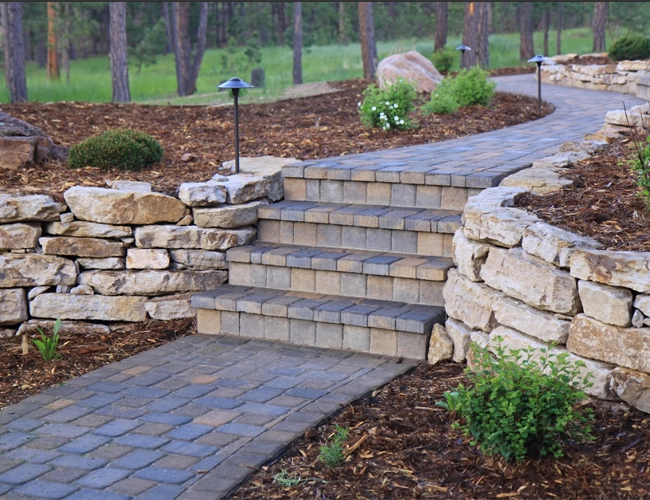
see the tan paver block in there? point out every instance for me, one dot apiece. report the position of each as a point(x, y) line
point(137, 370)
point(453, 198)
point(406, 290)
point(295, 189)
point(431, 244)
point(353, 285)
point(379, 287)
point(378, 193)
point(239, 274)
point(428, 196)
point(60, 403)
point(251, 325)
point(403, 195)
point(406, 268)
point(278, 277)
point(303, 332)
point(286, 233)
point(268, 230)
point(433, 271)
point(313, 190)
point(277, 329)
point(320, 214)
point(204, 379)
point(383, 342)
point(328, 236)
point(208, 321)
point(331, 191)
point(303, 280)
point(431, 293)
point(329, 335)
point(230, 322)
point(356, 338)
point(328, 282)
point(412, 345)
point(304, 233)
point(354, 192)
point(404, 242)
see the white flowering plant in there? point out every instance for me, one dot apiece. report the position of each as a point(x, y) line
point(388, 108)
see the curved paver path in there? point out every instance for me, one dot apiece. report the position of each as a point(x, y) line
point(193, 418)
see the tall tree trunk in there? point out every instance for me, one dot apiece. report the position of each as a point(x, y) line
point(187, 70)
point(53, 72)
point(342, 37)
point(119, 62)
point(297, 43)
point(168, 26)
point(599, 24)
point(367, 39)
point(65, 38)
point(12, 30)
point(442, 15)
point(470, 35)
point(483, 35)
point(525, 21)
point(547, 27)
point(560, 25)
point(201, 36)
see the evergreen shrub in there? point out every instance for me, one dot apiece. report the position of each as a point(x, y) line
point(630, 47)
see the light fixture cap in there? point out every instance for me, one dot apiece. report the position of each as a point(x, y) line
point(537, 59)
point(235, 83)
point(463, 48)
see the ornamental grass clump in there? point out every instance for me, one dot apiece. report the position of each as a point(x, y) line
point(124, 149)
point(521, 402)
point(389, 108)
point(468, 87)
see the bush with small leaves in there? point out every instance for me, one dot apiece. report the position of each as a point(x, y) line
point(468, 87)
point(124, 149)
point(442, 103)
point(443, 59)
point(521, 402)
point(389, 108)
point(630, 47)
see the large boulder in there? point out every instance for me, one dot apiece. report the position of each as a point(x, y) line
point(412, 67)
point(22, 144)
point(110, 206)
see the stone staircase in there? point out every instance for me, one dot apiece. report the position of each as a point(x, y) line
point(355, 257)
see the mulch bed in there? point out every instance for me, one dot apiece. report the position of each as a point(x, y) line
point(400, 445)
point(306, 128)
point(23, 376)
point(604, 202)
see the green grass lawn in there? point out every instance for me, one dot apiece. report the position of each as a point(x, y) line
point(90, 79)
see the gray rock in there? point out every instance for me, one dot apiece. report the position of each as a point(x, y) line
point(81, 229)
point(20, 235)
point(81, 247)
point(13, 306)
point(88, 307)
point(36, 270)
point(200, 260)
point(227, 216)
point(35, 207)
point(202, 194)
point(192, 237)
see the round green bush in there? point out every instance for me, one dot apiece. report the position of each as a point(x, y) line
point(443, 59)
point(124, 149)
point(630, 48)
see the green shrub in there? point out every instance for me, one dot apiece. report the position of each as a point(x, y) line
point(473, 86)
point(440, 104)
point(521, 402)
point(332, 453)
point(443, 59)
point(124, 149)
point(388, 108)
point(630, 47)
point(640, 163)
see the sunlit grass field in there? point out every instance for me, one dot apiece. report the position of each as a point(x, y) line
point(90, 79)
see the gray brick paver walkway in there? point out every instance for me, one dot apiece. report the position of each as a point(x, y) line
point(193, 418)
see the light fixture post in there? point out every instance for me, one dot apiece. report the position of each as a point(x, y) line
point(235, 84)
point(463, 49)
point(538, 59)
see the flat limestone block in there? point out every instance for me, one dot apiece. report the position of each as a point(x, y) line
point(88, 307)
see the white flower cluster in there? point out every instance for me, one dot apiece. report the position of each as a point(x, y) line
point(383, 117)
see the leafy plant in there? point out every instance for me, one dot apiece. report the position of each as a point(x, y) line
point(440, 104)
point(388, 108)
point(630, 47)
point(124, 149)
point(284, 479)
point(443, 59)
point(468, 87)
point(521, 402)
point(47, 345)
point(332, 453)
point(640, 161)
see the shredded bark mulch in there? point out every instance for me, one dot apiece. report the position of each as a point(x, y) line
point(22, 376)
point(401, 445)
point(307, 128)
point(603, 203)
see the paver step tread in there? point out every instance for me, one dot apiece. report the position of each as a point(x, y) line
point(368, 216)
point(429, 268)
point(368, 313)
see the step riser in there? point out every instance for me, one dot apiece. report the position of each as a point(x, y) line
point(312, 333)
point(378, 193)
point(412, 291)
point(357, 238)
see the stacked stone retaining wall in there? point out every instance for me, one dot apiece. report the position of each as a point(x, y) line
point(627, 77)
point(533, 285)
point(122, 253)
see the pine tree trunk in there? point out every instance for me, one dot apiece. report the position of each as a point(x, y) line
point(12, 30)
point(52, 43)
point(119, 61)
point(483, 35)
point(367, 39)
point(560, 25)
point(547, 27)
point(442, 15)
point(470, 35)
point(181, 24)
point(342, 37)
point(168, 26)
point(525, 20)
point(599, 24)
point(201, 36)
point(297, 43)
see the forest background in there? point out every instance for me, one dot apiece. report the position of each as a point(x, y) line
point(160, 50)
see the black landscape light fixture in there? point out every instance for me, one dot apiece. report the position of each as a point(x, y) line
point(539, 60)
point(463, 49)
point(235, 84)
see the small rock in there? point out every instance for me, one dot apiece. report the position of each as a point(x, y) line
point(187, 157)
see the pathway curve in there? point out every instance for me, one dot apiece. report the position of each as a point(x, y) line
point(193, 418)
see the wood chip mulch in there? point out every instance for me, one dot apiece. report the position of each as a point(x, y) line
point(306, 128)
point(603, 203)
point(400, 446)
point(23, 376)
